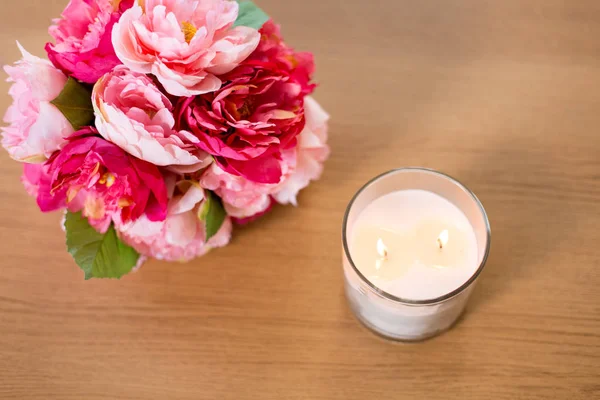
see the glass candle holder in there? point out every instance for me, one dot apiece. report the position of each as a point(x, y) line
point(414, 242)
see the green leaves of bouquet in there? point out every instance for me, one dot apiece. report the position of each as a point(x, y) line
point(104, 255)
point(75, 103)
point(250, 15)
point(212, 214)
point(98, 255)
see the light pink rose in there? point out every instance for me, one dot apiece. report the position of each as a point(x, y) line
point(241, 198)
point(181, 237)
point(184, 43)
point(135, 115)
point(36, 127)
point(311, 152)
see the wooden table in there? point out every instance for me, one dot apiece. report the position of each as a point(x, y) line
point(504, 95)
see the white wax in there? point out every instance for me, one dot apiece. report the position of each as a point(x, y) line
point(416, 266)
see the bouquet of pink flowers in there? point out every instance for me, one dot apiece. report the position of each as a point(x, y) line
point(158, 124)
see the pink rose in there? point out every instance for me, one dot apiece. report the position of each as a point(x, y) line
point(241, 198)
point(184, 43)
point(135, 115)
point(181, 237)
point(272, 48)
point(117, 186)
point(311, 153)
point(36, 127)
point(249, 122)
point(83, 46)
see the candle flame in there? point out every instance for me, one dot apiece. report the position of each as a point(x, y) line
point(443, 238)
point(381, 249)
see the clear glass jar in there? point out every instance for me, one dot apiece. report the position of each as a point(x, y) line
point(399, 318)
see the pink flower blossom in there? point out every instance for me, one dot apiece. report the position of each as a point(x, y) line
point(184, 43)
point(248, 123)
point(241, 198)
point(116, 186)
point(181, 236)
point(36, 127)
point(245, 200)
point(83, 46)
point(135, 115)
point(311, 153)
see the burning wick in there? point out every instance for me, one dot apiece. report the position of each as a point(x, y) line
point(383, 252)
point(443, 239)
point(381, 249)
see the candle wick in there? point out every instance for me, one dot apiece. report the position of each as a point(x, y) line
point(443, 239)
point(382, 250)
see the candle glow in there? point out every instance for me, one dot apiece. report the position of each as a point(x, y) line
point(381, 248)
point(443, 238)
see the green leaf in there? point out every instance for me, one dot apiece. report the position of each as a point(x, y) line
point(250, 15)
point(98, 255)
point(75, 102)
point(213, 214)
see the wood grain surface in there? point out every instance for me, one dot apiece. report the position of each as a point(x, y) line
point(503, 95)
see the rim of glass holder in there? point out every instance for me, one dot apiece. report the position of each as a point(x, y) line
point(435, 300)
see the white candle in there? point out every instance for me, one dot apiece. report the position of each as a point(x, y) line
point(411, 254)
point(427, 247)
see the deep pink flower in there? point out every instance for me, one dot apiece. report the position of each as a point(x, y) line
point(117, 186)
point(83, 47)
point(272, 48)
point(184, 43)
point(248, 123)
point(245, 200)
